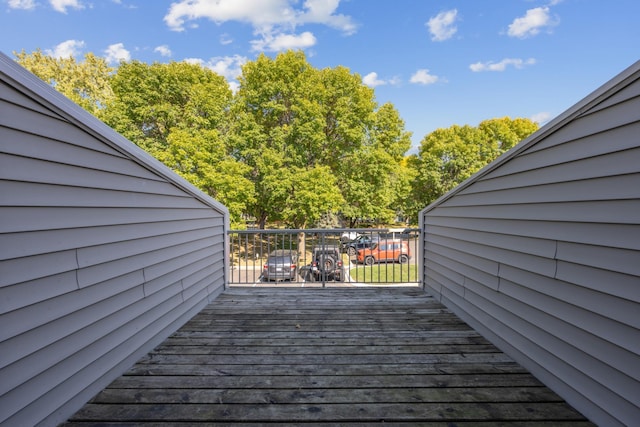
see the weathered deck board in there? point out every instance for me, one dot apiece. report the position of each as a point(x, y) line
point(333, 356)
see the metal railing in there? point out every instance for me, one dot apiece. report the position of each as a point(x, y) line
point(324, 257)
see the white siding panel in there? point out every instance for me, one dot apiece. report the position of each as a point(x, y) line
point(608, 304)
point(25, 169)
point(56, 402)
point(605, 188)
point(626, 162)
point(15, 193)
point(30, 268)
point(31, 146)
point(599, 122)
point(607, 258)
point(630, 91)
point(94, 255)
point(190, 266)
point(624, 236)
point(27, 293)
point(15, 245)
point(560, 216)
point(100, 344)
point(538, 247)
point(613, 211)
point(85, 217)
point(475, 261)
point(198, 283)
point(593, 332)
point(31, 317)
point(470, 266)
point(51, 127)
point(492, 255)
point(9, 95)
point(619, 139)
point(506, 326)
point(624, 286)
point(23, 219)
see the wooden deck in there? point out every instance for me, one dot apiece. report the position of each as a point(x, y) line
point(338, 356)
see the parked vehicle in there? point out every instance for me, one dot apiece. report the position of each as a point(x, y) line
point(281, 265)
point(348, 236)
point(385, 251)
point(326, 264)
point(363, 241)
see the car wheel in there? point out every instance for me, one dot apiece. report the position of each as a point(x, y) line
point(369, 260)
point(403, 259)
point(351, 251)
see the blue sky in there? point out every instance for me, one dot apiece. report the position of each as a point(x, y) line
point(440, 62)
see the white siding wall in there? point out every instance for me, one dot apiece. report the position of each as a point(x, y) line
point(540, 251)
point(103, 252)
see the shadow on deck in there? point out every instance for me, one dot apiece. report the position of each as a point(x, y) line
point(339, 356)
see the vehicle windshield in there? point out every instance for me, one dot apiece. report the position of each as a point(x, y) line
point(279, 260)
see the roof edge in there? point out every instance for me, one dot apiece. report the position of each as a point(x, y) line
point(33, 87)
point(612, 86)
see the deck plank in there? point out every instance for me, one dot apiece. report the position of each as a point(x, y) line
point(335, 356)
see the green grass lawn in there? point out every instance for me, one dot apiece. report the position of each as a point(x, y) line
point(385, 273)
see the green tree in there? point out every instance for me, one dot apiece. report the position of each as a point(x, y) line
point(153, 99)
point(293, 122)
point(372, 177)
point(449, 156)
point(178, 112)
point(86, 83)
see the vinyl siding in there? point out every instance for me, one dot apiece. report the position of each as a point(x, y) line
point(540, 251)
point(104, 252)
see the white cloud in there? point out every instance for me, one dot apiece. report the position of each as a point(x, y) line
point(541, 118)
point(22, 4)
point(442, 25)
point(279, 42)
point(66, 49)
point(531, 23)
point(323, 12)
point(62, 5)
point(424, 78)
point(163, 50)
point(372, 80)
point(116, 53)
point(225, 39)
point(502, 65)
point(262, 15)
point(274, 21)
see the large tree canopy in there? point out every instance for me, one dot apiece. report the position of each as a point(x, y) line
point(319, 125)
point(295, 144)
point(86, 83)
point(449, 156)
point(178, 112)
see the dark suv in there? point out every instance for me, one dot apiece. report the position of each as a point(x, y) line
point(326, 264)
point(363, 241)
point(281, 265)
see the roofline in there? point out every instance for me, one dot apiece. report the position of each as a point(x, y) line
point(618, 82)
point(33, 87)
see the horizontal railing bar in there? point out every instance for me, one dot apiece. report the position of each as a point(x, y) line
point(321, 230)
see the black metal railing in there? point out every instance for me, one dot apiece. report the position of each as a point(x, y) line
point(324, 257)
